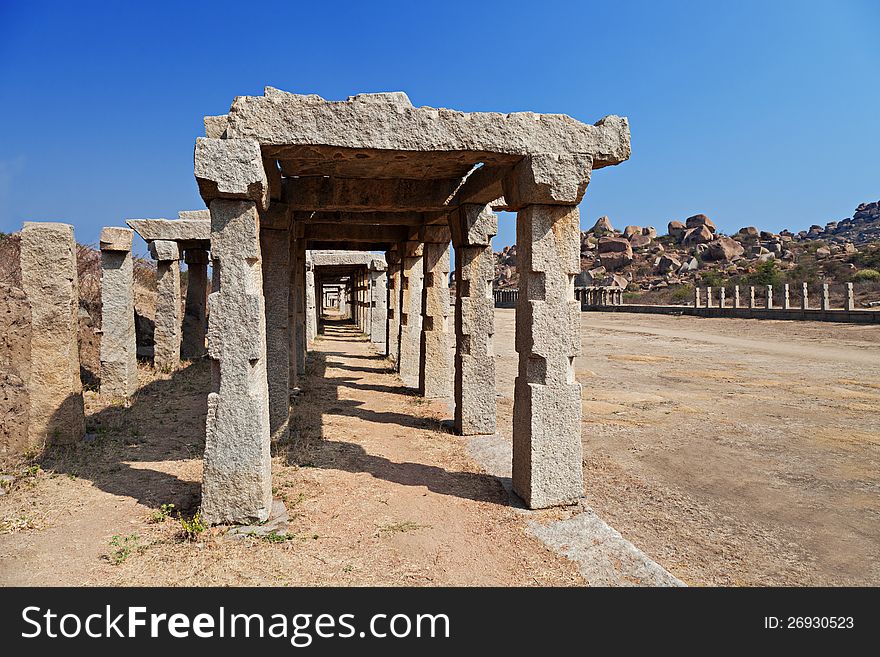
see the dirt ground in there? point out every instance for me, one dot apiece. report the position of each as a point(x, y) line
point(380, 493)
point(733, 452)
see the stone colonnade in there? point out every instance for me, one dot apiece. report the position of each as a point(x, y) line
point(825, 303)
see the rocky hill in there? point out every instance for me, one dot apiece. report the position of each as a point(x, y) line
point(693, 252)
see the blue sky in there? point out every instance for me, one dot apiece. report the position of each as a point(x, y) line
point(761, 113)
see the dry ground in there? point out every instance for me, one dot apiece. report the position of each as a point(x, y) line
point(731, 451)
point(379, 494)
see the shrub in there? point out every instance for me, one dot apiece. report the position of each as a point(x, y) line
point(683, 293)
point(765, 274)
point(712, 278)
point(867, 275)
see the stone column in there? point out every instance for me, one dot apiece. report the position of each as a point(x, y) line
point(736, 296)
point(392, 256)
point(826, 297)
point(696, 297)
point(49, 279)
point(194, 316)
point(118, 341)
point(547, 446)
point(708, 297)
point(275, 253)
point(473, 227)
point(411, 314)
point(379, 303)
point(805, 303)
point(769, 297)
point(312, 309)
point(299, 286)
point(751, 296)
point(786, 302)
point(436, 358)
point(166, 337)
point(722, 297)
point(237, 480)
point(850, 297)
point(292, 300)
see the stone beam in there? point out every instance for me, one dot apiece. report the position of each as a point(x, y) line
point(173, 230)
point(355, 233)
point(374, 218)
point(368, 195)
point(388, 121)
point(324, 245)
point(482, 186)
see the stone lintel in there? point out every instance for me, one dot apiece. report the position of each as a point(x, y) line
point(369, 195)
point(173, 229)
point(435, 234)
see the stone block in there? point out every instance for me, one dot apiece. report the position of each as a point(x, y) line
point(164, 250)
point(115, 239)
point(548, 179)
point(231, 169)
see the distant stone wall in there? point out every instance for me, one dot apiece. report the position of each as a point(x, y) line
point(15, 368)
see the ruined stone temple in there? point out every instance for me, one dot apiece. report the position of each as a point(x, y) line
point(352, 206)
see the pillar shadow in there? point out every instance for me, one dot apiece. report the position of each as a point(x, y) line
point(164, 421)
point(315, 448)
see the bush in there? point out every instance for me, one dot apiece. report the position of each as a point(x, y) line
point(765, 274)
point(712, 278)
point(683, 293)
point(867, 275)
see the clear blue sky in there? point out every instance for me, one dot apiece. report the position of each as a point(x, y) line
point(764, 113)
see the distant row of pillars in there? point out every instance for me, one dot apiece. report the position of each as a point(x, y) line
point(600, 296)
point(786, 301)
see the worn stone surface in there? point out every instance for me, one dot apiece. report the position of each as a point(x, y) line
point(412, 278)
point(275, 253)
point(118, 340)
point(435, 361)
point(474, 383)
point(237, 479)
point(196, 215)
point(231, 169)
point(195, 307)
point(389, 122)
point(550, 179)
point(311, 307)
point(299, 285)
point(49, 279)
point(172, 229)
point(164, 250)
point(394, 304)
point(379, 310)
point(167, 332)
point(15, 369)
point(547, 448)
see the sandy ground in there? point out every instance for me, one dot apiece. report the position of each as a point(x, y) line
point(378, 492)
point(733, 452)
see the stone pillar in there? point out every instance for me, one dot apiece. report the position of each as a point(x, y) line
point(379, 303)
point(786, 302)
point(722, 297)
point(411, 314)
point(736, 296)
point(709, 297)
point(473, 227)
point(118, 341)
point(312, 310)
point(166, 340)
point(751, 296)
point(769, 297)
point(237, 480)
point(850, 297)
point(299, 285)
point(392, 257)
point(275, 253)
point(49, 279)
point(826, 297)
point(292, 300)
point(805, 302)
point(436, 357)
point(696, 297)
point(194, 316)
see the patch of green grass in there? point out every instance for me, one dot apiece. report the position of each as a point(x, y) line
point(123, 547)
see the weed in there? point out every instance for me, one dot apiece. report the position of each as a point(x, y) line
point(274, 537)
point(162, 513)
point(192, 527)
point(123, 547)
